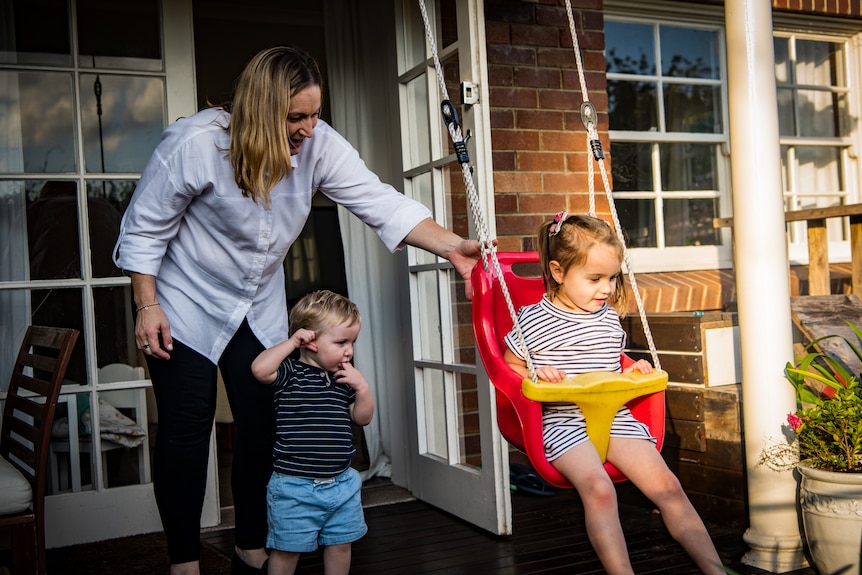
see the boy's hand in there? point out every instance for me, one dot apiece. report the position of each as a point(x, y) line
point(640, 365)
point(351, 376)
point(303, 338)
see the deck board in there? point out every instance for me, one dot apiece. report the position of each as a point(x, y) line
point(414, 538)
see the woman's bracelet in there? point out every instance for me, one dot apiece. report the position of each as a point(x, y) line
point(146, 307)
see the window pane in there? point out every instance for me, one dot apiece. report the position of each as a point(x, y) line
point(688, 222)
point(106, 202)
point(115, 325)
point(469, 445)
point(818, 114)
point(638, 220)
point(39, 125)
point(687, 167)
point(631, 167)
point(819, 168)
point(13, 237)
point(632, 106)
point(418, 137)
point(124, 135)
point(786, 112)
point(53, 236)
point(63, 307)
point(818, 63)
point(689, 53)
point(630, 48)
point(782, 59)
point(434, 407)
point(431, 347)
point(104, 30)
point(694, 109)
point(41, 32)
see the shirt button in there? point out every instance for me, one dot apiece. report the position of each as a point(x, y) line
point(264, 235)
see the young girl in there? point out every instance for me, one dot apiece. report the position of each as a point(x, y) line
point(574, 329)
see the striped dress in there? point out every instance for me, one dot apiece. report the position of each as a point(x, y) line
point(573, 342)
point(314, 438)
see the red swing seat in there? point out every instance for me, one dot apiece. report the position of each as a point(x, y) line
point(519, 418)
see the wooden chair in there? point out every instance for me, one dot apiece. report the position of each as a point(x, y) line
point(25, 437)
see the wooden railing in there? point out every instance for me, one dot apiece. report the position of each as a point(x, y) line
point(818, 243)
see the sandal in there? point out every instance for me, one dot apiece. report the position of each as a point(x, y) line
point(523, 478)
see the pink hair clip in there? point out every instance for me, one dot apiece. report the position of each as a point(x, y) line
point(558, 223)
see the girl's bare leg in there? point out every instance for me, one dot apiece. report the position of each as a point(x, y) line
point(582, 466)
point(336, 559)
point(643, 465)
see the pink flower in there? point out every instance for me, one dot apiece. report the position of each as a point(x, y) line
point(794, 421)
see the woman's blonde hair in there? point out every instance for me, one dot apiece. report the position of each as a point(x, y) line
point(259, 142)
point(321, 310)
point(570, 243)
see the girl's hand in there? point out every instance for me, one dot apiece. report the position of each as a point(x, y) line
point(640, 365)
point(551, 374)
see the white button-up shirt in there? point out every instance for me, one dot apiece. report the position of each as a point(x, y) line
point(216, 255)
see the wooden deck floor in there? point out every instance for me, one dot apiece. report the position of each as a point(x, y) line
point(413, 538)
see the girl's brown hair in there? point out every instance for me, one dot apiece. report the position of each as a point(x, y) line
point(321, 310)
point(570, 246)
point(259, 142)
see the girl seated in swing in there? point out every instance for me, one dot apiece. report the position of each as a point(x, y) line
point(575, 328)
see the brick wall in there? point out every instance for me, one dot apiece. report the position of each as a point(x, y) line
point(824, 7)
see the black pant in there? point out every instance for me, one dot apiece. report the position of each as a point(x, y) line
point(185, 388)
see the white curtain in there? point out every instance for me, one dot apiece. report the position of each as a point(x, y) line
point(14, 304)
point(362, 98)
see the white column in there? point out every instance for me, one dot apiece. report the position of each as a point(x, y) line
point(762, 280)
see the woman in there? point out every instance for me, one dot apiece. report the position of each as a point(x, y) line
point(225, 194)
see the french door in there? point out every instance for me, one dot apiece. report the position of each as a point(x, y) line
point(459, 461)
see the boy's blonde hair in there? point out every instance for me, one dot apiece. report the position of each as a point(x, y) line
point(570, 246)
point(259, 142)
point(321, 310)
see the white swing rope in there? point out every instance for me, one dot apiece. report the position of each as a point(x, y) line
point(588, 115)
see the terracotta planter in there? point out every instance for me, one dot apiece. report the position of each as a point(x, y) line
point(832, 516)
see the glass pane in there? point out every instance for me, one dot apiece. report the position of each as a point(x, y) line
point(62, 307)
point(786, 112)
point(104, 30)
point(694, 109)
point(632, 106)
point(630, 48)
point(638, 220)
point(782, 59)
point(13, 236)
point(469, 444)
point(819, 168)
point(463, 339)
point(106, 201)
point(115, 324)
point(123, 124)
point(818, 63)
point(448, 24)
point(424, 193)
point(631, 167)
point(427, 299)
point(41, 32)
point(689, 53)
point(39, 116)
point(414, 35)
point(434, 408)
point(123, 452)
point(688, 222)
point(687, 166)
point(818, 114)
point(71, 472)
point(53, 236)
point(417, 135)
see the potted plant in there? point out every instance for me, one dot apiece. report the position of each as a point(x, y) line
point(825, 447)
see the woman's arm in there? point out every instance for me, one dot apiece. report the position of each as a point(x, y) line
point(463, 254)
point(152, 329)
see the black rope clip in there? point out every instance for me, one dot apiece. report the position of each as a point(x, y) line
point(596, 147)
point(450, 118)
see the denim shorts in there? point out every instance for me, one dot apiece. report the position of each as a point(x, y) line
point(306, 513)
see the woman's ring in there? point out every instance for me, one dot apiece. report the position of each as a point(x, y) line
point(146, 346)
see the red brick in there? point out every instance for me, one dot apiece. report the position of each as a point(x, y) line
point(551, 16)
point(517, 182)
point(555, 57)
point(514, 140)
point(562, 141)
point(505, 203)
point(497, 32)
point(559, 99)
point(502, 118)
point(546, 78)
point(513, 97)
point(540, 161)
point(539, 119)
point(508, 11)
point(563, 183)
point(500, 76)
point(504, 161)
point(533, 36)
point(542, 204)
point(509, 244)
point(515, 55)
point(518, 225)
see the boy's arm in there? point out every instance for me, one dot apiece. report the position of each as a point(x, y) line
point(265, 366)
point(362, 408)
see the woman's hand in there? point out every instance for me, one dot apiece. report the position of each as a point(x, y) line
point(152, 329)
